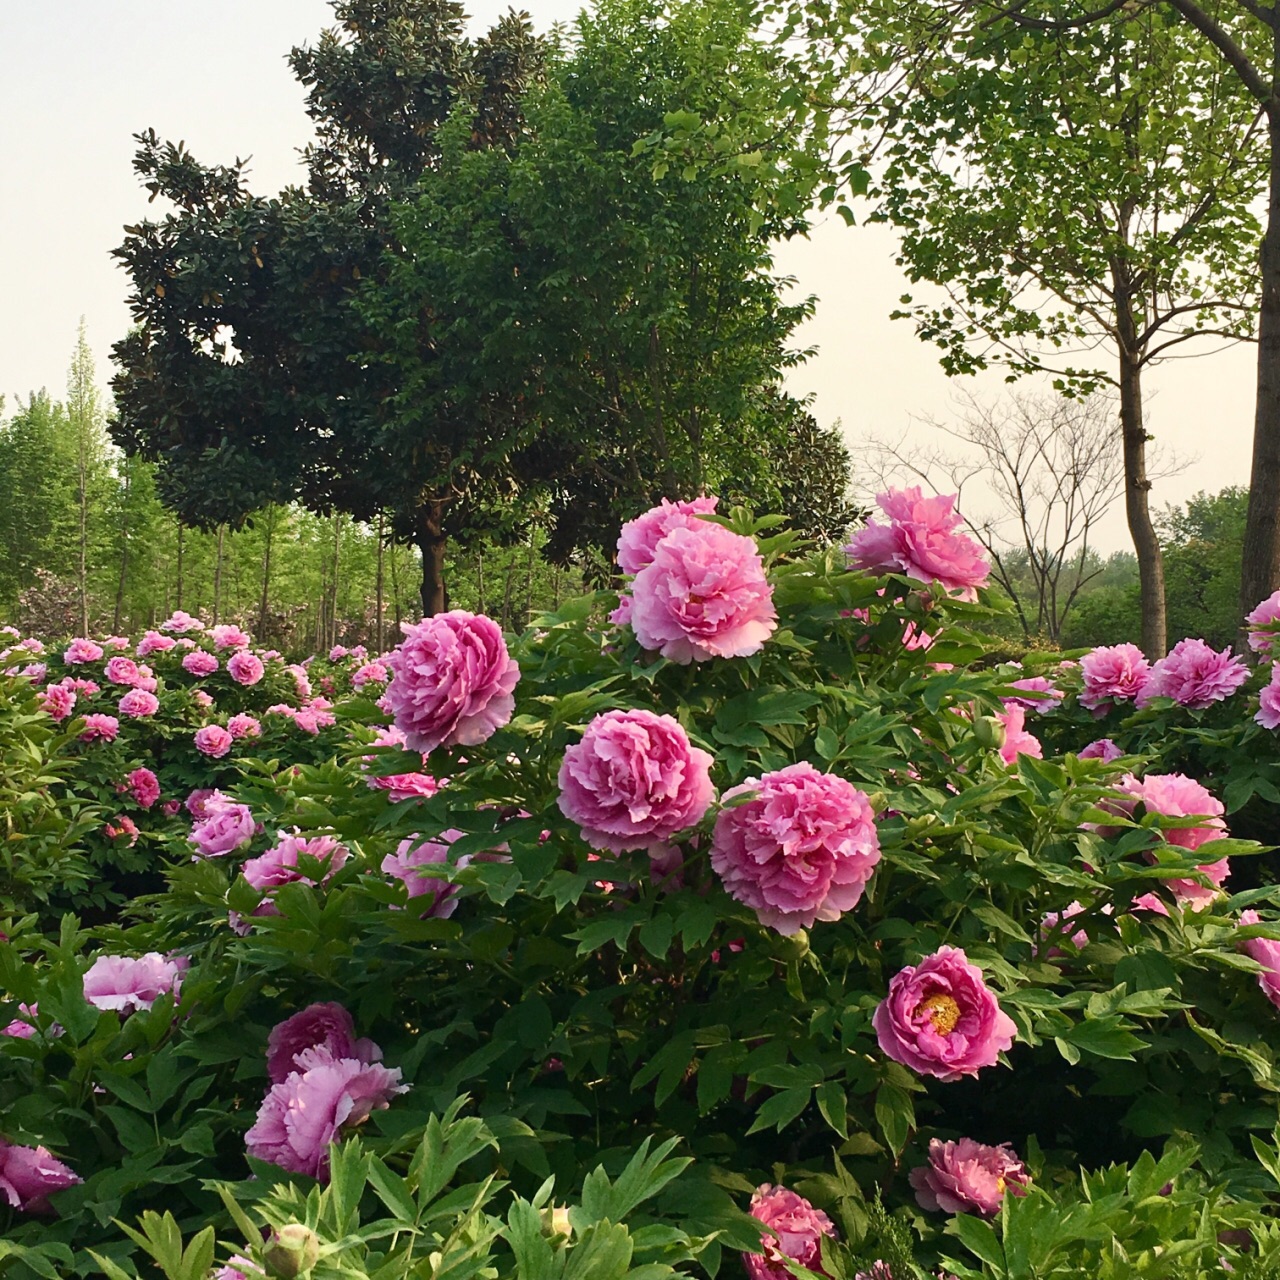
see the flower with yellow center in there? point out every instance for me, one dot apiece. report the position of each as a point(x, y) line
point(942, 1011)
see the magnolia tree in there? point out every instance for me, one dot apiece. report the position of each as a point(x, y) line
point(748, 922)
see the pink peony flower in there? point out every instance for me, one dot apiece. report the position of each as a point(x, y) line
point(1113, 674)
point(968, 1177)
point(223, 826)
point(793, 1229)
point(80, 650)
point(213, 741)
point(634, 781)
point(1017, 741)
point(324, 1098)
point(279, 865)
point(22, 1028)
point(154, 642)
point(300, 681)
point(801, 850)
point(451, 681)
point(180, 621)
point(199, 662)
point(171, 808)
point(96, 727)
point(245, 667)
point(940, 1019)
point(144, 786)
point(1051, 700)
point(1266, 952)
point(30, 1175)
point(1262, 625)
point(407, 864)
point(228, 636)
point(123, 984)
point(325, 1026)
point(338, 652)
point(640, 537)
point(202, 700)
point(122, 826)
point(314, 716)
point(35, 671)
point(238, 1267)
point(1195, 675)
point(138, 703)
point(704, 595)
point(370, 673)
point(407, 786)
point(923, 541)
point(1268, 714)
point(58, 701)
point(1101, 749)
point(122, 671)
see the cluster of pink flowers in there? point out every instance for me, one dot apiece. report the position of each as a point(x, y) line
point(1194, 675)
point(123, 984)
point(801, 849)
point(452, 681)
point(922, 540)
point(324, 1082)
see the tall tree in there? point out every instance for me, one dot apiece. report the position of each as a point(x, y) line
point(86, 418)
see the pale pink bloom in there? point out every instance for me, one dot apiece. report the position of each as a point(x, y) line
point(1266, 951)
point(359, 652)
point(452, 681)
point(30, 1175)
point(238, 1267)
point(1017, 741)
point(802, 849)
point(325, 1098)
point(300, 681)
point(245, 667)
point(634, 781)
point(1101, 749)
point(244, 726)
point(408, 865)
point(180, 621)
point(98, 726)
point(922, 540)
point(122, 826)
point(407, 786)
point(146, 678)
point(1195, 675)
point(1113, 674)
point(314, 716)
point(199, 662)
point(154, 642)
point(224, 826)
point(279, 866)
point(123, 983)
point(138, 704)
point(197, 804)
point(282, 709)
point(228, 636)
point(122, 671)
point(116, 642)
point(35, 671)
point(338, 652)
point(325, 1026)
point(793, 1230)
point(213, 740)
point(968, 1177)
point(58, 701)
point(22, 1028)
point(640, 537)
point(76, 685)
point(704, 595)
point(1262, 625)
point(371, 672)
point(1035, 684)
point(202, 700)
point(940, 1018)
point(81, 649)
point(1268, 714)
point(144, 786)
point(1053, 923)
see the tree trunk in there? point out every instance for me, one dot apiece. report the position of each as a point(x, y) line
point(377, 590)
point(178, 605)
point(264, 596)
point(432, 542)
point(1260, 564)
point(124, 554)
point(337, 565)
point(480, 579)
point(395, 589)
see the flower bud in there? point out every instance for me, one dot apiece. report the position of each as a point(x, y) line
point(989, 731)
point(555, 1221)
point(291, 1252)
point(794, 946)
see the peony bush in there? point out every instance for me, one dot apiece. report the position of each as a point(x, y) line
point(749, 922)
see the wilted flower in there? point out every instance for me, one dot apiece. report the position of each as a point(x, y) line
point(793, 1230)
point(968, 1177)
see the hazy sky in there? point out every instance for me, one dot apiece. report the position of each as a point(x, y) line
point(79, 77)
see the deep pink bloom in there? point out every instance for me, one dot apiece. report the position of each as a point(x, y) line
point(58, 701)
point(300, 681)
point(199, 662)
point(180, 621)
point(408, 865)
point(325, 1026)
point(640, 537)
point(154, 642)
point(1035, 684)
point(370, 673)
point(940, 1018)
point(1268, 714)
point(801, 850)
point(1101, 749)
point(224, 827)
point(144, 786)
point(123, 983)
point(122, 826)
point(97, 726)
point(171, 808)
point(311, 1107)
point(1266, 952)
point(1265, 615)
point(244, 726)
point(1017, 741)
point(407, 786)
point(1113, 674)
point(30, 1175)
point(81, 649)
point(122, 671)
point(923, 541)
point(22, 1028)
point(704, 595)
point(634, 781)
point(1195, 675)
point(228, 636)
point(213, 740)
point(968, 1177)
point(196, 804)
point(245, 667)
point(793, 1230)
point(279, 865)
point(451, 681)
point(138, 703)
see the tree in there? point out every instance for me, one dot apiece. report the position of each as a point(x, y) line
point(85, 418)
point(1203, 543)
point(240, 380)
point(1052, 467)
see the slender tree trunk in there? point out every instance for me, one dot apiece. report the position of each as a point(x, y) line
point(528, 582)
point(217, 574)
point(1260, 566)
point(433, 543)
point(124, 554)
point(178, 604)
point(337, 566)
point(480, 579)
point(1137, 488)
point(264, 596)
point(395, 588)
point(377, 595)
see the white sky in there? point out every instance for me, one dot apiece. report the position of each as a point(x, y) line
point(79, 77)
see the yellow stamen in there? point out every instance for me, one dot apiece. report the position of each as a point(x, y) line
point(942, 1011)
